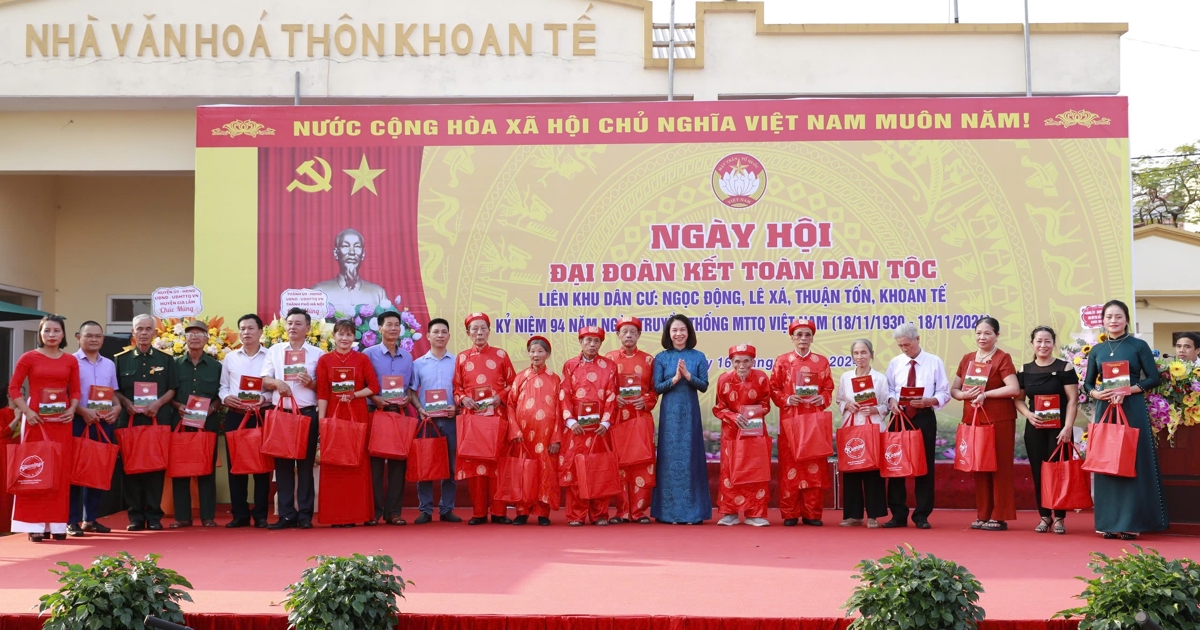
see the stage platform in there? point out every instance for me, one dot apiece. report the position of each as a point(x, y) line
point(686, 573)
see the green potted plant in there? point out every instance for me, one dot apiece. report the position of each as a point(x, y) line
point(907, 589)
point(115, 592)
point(1144, 580)
point(355, 593)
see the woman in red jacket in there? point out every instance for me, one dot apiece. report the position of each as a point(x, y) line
point(345, 379)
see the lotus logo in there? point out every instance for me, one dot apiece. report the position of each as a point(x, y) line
point(739, 180)
point(855, 448)
point(32, 466)
point(893, 454)
point(962, 449)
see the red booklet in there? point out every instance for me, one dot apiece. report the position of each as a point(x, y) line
point(485, 405)
point(144, 394)
point(631, 386)
point(100, 398)
point(250, 389)
point(392, 389)
point(587, 413)
point(343, 380)
point(1115, 377)
point(293, 364)
point(864, 391)
point(977, 374)
point(195, 412)
point(53, 403)
point(806, 383)
point(909, 394)
point(754, 420)
point(1048, 411)
point(435, 400)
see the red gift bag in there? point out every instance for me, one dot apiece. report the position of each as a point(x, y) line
point(633, 440)
point(902, 451)
point(245, 448)
point(479, 437)
point(858, 447)
point(428, 457)
point(750, 460)
point(517, 477)
point(190, 453)
point(93, 461)
point(144, 448)
point(598, 474)
point(343, 441)
point(1065, 484)
point(1112, 445)
point(34, 467)
point(808, 435)
point(391, 435)
point(975, 444)
point(285, 434)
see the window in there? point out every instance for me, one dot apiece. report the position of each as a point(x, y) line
point(121, 311)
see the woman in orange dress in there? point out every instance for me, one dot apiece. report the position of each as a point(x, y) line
point(533, 408)
point(345, 491)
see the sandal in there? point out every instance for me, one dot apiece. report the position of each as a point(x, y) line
point(995, 526)
point(1043, 526)
point(1128, 536)
point(977, 524)
point(645, 520)
point(1060, 527)
point(1109, 536)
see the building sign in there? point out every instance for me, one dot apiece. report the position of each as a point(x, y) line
point(167, 302)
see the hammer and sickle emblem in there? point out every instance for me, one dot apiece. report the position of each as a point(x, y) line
point(320, 179)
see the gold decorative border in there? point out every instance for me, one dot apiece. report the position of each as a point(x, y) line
point(246, 127)
point(1081, 117)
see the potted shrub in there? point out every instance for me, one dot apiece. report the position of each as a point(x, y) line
point(907, 589)
point(355, 593)
point(115, 592)
point(1144, 580)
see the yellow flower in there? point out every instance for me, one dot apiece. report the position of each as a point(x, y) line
point(1190, 399)
point(1085, 349)
point(1103, 337)
point(1196, 373)
point(1078, 360)
point(1177, 369)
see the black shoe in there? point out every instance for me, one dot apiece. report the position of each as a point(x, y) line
point(815, 522)
point(423, 518)
point(37, 538)
point(501, 520)
point(923, 525)
point(238, 522)
point(450, 517)
point(307, 525)
point(260, 524)
point(135, 527)
point(154, 527)
point(283, 523)
point(64, 536)
point(893, 524)
point(521, 520)
point(544, 521)
point(791, 522)
point(371, 523)
point(1110, 536)
point(477, 520)
point(75, 530)
point(96, 527)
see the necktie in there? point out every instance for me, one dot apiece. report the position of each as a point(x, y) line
point(912, 382)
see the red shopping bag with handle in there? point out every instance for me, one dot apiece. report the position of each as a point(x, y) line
point(245, 448)
point(750, 460)
point(598, 474)
point(975, 444)
point(858, 447)
point(807, 435)
point(34, 467)
point(343, 441)
point(93, 461)
point(1065, 484)
point(633, 439)
point(429, 456)
point(517, 477)
point(285, 433)
point(391, 434)
point(1112, 445)
point(479, 436)
point(144, 448)
point(191, 452)
point(902, 450)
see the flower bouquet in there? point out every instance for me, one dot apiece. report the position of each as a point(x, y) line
point(367, 328)
point(320, 334)
point(1175, 401)
point(169, 337)
point(1076, 354)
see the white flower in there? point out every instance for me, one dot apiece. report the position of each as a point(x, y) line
point(373, 325)
point(210, 349)
point(742, 184)
point(178, 328)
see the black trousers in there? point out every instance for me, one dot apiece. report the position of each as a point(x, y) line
point(238, 484)
point(143, 492)
point(1040, 444)
point(897, 493)
point(863, 490)
point(294, 477)
point(389, 487)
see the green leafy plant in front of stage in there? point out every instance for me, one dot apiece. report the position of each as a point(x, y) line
point(354, 593)
point(908, 589)
point(115, 592)
point(1167, 590)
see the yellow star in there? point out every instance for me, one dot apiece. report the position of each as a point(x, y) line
point(364, 176)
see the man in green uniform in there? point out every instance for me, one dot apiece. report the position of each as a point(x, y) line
point(144, 364)
point(199, 376)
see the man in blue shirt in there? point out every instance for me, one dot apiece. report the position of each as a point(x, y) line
point(435, 371)
point(391, 362)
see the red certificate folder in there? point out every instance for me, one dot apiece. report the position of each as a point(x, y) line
point(1048, 411)
point(392, 389)
point(250, 389)
point(435, 400)
point(1115, 377)
point(864, 391)
point(631, 386)
point(144, 394)
point(100, 398)
point(343, 380)
point(754, 420)
point(909, 394)
point(53, 403)
point(977, 374)
point(293, 365)
point(484, 403)
point(806, 383)
point(587, 413)
point(195, 412)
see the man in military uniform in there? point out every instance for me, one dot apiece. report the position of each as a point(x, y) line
point(200, 376)
point(144, 364)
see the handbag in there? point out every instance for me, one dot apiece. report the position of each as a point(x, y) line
point(1065, 484)
point(750, 460)
point(858, 447)
point(245, 448)
point(391, 434)
point(429, 457)
point(517, 477)
point(479, 437)
point(808, 435)
point(34, 467)
point(144, 448)
point(1112, 445)
point(93, 461)
point(285, 433)
point(598, 474)
point(633, 440)
point(190, 453)
point(343, 441)
point(975, 444)
point(902, 450)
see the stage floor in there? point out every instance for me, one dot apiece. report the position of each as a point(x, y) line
point(619, 570)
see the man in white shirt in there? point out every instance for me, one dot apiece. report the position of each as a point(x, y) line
point(294, 477)
point(915, 368)
point(245, 361)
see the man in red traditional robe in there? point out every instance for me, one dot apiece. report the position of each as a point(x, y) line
point(634, 366)
point(742, 401)
point(482, 377)
point(800, 482)
point(587, 402)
